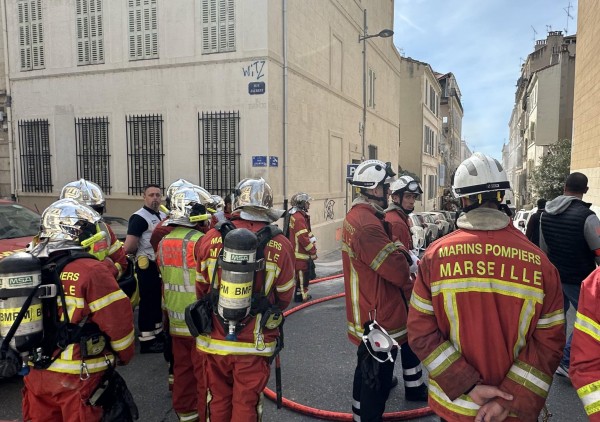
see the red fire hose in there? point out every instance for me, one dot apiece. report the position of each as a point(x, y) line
point(328, 414)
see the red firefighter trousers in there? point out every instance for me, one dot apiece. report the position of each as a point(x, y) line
point(236, 383)
point(51, 396)
point(189, 373)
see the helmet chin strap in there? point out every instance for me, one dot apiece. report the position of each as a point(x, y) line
point(382, 199)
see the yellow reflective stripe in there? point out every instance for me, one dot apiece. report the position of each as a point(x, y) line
point(551, 319)
point(286, 286)
point(488, 285)
point(188, 417)
point(531, 378)
point(103, 302)
point(67, 354)
point(310, 246)
point(590, 397)
point(179, 331)
point(462, 405)
point(75, 366)
point(382, 255)
point(346, 248)
point(179, 288)
point(115, 247)
point(272, 271)
point(358, 331)
point(302, 256)
point(527, 313)
point(200, 278)
point(441, 358)
point(354, 297)
point(355, 330)
point(588, 326)
point(299, 232)
point(422, 305)
point(123, 343)
point(451, 309)
point(223, 347)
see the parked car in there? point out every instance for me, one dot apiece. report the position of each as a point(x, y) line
point(431, 229)
point(118, 226)
point(520, 221)
point(417, 232)
point(440, 220)
point(18, 225)
point(451, 218)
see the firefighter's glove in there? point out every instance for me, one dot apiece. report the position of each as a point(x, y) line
point(369, 368)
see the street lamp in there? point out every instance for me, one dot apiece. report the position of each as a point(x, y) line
point(385, 33)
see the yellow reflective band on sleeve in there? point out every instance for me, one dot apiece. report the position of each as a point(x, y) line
point(346, 248)
point(287, 286)
point(588, 326)
point(441, 358)
point(299, 232)
point(115, 247)
point(531, 378)
point(525, 317)
point(422, 305)
point(551, 319)
point(301, 256)
point(272, 271)
point(590, 397)
point(488, 285)
point(103, 302)
point(310, 247)
point(124, 343)
point(382, 255)
point(462, 405)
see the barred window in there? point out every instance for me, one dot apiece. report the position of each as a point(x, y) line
point(372, 152)
point(90, 32)
point(145, 155)
point(219, 139)
point(143, 29)
point(218, 26)
point(34, 147)
point(31, 34)
point(93, 158)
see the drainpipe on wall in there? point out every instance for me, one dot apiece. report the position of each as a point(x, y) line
point(8, 106)
point(285, 107)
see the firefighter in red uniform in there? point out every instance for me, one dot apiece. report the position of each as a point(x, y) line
point(304, 243)
point(238, 354)
point(61, 391)
point(89, 193)
point(375, 273)
point(585, 347)
point(177, 263)
point(486, 314)
point(404, 192)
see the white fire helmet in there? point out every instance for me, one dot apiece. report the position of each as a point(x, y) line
point(370, 173)
point(405, 184)
point(480, 174)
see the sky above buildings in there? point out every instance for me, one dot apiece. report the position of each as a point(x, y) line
point(483, 43)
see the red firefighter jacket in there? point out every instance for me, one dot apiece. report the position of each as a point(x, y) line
point(300, 235)
point(278, 276)
point(375, 272)
point(585, 348)
point(117, 254)
point(160, 231)
point(399, 228)
point(92, 291)
point(487, 307)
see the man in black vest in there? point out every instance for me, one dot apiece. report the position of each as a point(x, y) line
point(570, 236)
point(533, 225)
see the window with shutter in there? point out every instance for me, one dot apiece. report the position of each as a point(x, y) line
point(218, 26)
point(90, 43)
point(31, 34)
point(143, 29)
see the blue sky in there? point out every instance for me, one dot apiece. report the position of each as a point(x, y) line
point(483, 44)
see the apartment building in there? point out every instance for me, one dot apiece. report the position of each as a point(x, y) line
point(420, 129)
point(543, 111)
point(585, 153)
point(130, 92)
point(5, 173)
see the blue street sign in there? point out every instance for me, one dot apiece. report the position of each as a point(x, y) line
point(256, 88)
point(273, 161)
point(259, 161)
point(350, 168)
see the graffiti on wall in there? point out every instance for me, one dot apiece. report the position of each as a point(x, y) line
point(328, 209)
point(254, 70)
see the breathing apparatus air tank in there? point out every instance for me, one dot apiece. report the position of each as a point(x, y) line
point(19, 274)
point(238, 265)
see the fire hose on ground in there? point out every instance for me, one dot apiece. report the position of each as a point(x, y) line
point(328, 414)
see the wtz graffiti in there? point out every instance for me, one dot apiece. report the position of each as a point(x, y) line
point(254, 70)
point(328, 209)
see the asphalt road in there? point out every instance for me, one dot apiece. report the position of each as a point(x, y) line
point(317, 369)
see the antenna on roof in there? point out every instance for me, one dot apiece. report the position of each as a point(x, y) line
point(548, 28)
point(534, 34)
point(569, 16)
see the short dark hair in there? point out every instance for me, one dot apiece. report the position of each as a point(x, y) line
point(541, 203)
point(151, 185)
point(576, 183)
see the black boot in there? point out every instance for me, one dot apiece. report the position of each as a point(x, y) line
point(416, 393)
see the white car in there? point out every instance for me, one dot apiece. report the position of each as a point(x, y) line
point(520, 221)
point(417, 232)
